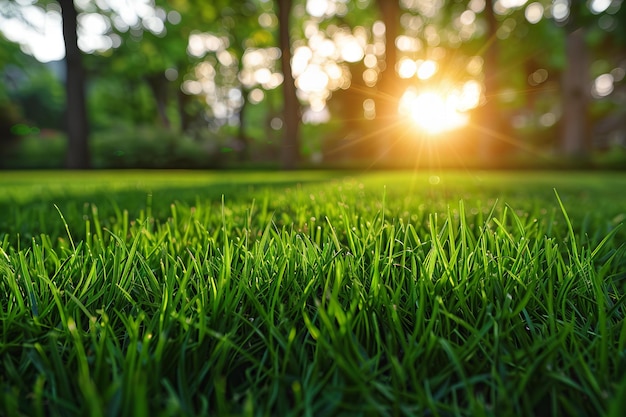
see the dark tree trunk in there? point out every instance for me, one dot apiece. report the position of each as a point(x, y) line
point(489, 125)
point(158, 86)
point(388, 86)
point(388, 81)
point(291, 110)
point(575, 140)
point(183, 110)
point(77, 156)
point(241, 131)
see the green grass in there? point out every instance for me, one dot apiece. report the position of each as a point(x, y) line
point(312, 293)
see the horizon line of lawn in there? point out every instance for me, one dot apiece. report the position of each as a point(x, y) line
point(136, 193)
point(19, 187)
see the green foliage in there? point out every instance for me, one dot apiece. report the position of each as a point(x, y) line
point(122, 147)
point(387, 294)
point(613, 158)
point(30, 93)
point(41, 99)
point(9, 117)
point(150, 147)
point(114, 101)
point(36, 152)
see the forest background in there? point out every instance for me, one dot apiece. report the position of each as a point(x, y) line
point(312, 83)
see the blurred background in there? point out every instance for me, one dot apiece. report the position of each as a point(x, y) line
point(312, 83)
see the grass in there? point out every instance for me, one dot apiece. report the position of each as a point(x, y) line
point(312, 293)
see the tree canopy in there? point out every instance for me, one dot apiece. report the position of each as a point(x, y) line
point(307, 81)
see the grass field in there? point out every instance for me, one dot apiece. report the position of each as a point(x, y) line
point(312, 294)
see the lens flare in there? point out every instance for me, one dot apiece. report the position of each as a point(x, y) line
point(433, 112)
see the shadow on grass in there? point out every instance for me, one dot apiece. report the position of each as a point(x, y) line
point(32, 209)
point(28, 200)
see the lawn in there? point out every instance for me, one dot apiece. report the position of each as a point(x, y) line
point(312, 293)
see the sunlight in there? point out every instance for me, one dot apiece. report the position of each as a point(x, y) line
point(426, 69)
point(313, 80)
point(436, 112)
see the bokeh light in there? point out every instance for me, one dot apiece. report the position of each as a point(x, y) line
point(426, 69)
point(599, 6)
point(603, 85)
point(560, 10)
point(534, 12)
point(406, 68)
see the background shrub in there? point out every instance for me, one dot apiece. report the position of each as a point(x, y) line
point(144, 147)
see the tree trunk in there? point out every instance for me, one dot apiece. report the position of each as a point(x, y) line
point(488, 115)
point(242, 139)
point(77, 156)
point(183, 111)
point(291, 110)
point(388, 85)
point(575, 140)
point(158, 86)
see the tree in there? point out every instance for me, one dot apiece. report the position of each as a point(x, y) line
point(76, 108)
point(489, 120)
point(388, 85)
point(76, 124)
point(290, 155)
point(576, 139)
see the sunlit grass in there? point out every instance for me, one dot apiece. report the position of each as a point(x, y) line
point(312, 294)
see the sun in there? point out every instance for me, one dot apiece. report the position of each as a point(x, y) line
point(435, 112)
